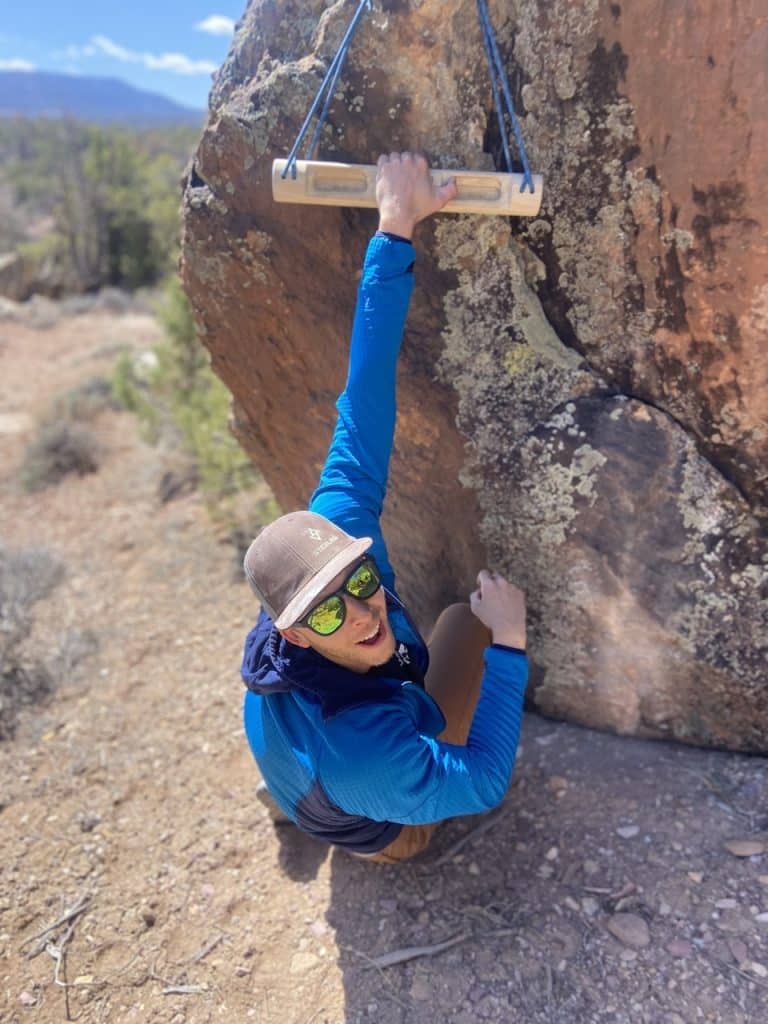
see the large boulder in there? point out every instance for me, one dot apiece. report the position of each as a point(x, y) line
point(582, 398)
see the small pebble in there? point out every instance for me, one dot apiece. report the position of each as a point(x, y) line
point(739, 951)
point(630, 929)
point(696, 876)
point(679, 948)
point(627, 831)
point(88, 820)
point(726, 904)
point(759, 969)
point(552, 853)
point(557, 783)
point(744, 847)
point(302, 962)
point(474, 868)
point(544, 741)
point(590, 906)
point(27, 999)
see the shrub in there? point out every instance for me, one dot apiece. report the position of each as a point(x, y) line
point(132, 389)
point(26, 577)
point(85, 402)
point(180, 400)
point(59, 449)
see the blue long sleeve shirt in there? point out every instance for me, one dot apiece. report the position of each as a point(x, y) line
point(349, 757)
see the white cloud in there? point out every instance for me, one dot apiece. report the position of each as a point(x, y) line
point(113, 50)
point(175, 62)
point(74, 52)
point(216, 25)
point(16, 64)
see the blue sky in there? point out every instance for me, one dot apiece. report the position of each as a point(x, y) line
point(165, 46)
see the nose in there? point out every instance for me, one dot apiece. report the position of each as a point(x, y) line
point(358, 610)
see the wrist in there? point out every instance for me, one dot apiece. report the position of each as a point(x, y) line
point(511, 639)
point(397, 226)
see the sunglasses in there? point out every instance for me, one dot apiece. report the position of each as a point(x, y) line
point(329, 614)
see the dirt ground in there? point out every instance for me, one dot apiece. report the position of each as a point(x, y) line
point(141, 882)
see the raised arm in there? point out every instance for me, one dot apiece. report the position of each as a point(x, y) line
point(353, 481)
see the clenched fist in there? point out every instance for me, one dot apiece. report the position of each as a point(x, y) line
point(500, 605)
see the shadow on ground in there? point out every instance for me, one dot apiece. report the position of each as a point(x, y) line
point(598, 834)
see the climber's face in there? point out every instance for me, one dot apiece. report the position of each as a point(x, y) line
point(364, 639)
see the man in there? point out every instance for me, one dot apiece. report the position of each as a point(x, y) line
point(366, 736)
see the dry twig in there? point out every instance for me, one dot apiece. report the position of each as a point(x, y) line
point(209, 948)
point(451, 852)
point(401, 956)
point(74, 911)
point(57, 952)
point(737, 970)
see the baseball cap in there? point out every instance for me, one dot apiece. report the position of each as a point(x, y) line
point(293, 560)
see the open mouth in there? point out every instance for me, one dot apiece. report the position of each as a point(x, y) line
point(374, 638)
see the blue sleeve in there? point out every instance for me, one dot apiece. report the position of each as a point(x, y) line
point(399, 774)
point(353, 482)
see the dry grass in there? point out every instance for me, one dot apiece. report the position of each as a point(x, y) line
point(59, 449)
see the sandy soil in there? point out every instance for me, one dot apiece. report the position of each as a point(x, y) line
point(140, 881)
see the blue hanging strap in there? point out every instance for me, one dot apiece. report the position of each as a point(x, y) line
point(326, 90)
point(496, 67)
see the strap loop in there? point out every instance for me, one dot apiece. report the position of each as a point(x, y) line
point(326, 89)
point(496, 68)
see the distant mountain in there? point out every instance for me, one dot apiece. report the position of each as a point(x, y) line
point(48, 94)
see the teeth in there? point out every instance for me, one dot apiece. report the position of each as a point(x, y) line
point(373, 634)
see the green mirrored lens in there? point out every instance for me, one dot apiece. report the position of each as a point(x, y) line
point(364, 581)
point(327, 617)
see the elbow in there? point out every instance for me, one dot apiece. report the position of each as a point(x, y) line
point(494, 789)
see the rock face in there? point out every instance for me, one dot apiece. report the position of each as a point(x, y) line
point(582, 398)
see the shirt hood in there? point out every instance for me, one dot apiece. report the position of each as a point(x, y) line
point(271, 665)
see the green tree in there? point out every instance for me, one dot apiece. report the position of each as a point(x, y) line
point(113, 194)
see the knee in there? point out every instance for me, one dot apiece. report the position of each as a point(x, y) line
point(459, 619)
point(454, 614)
point(459, 610)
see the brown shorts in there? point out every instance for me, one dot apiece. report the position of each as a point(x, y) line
point(453, 680)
